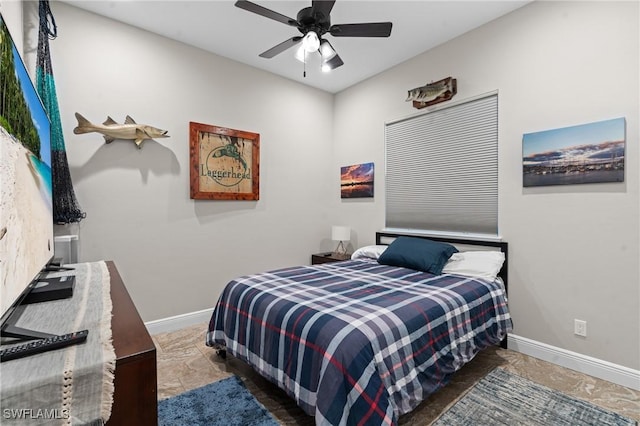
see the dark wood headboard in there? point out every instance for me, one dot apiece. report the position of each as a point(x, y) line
point(382, 238)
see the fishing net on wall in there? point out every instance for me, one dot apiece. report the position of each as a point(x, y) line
point(65, 205)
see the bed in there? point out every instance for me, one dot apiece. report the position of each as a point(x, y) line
point(363, 341)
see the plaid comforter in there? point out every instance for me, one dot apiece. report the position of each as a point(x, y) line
point(356, 342)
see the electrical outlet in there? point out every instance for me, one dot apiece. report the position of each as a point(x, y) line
point(580, 327)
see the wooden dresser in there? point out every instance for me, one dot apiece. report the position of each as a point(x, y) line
point(135, 400)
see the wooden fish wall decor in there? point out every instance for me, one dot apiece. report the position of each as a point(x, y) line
point(111, 130)
point(433, 93)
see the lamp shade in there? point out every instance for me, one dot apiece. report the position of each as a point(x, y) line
point(340, 233)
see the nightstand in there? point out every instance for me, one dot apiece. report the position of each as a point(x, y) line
point(329, 257)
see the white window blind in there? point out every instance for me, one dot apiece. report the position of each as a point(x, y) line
point(442, 169)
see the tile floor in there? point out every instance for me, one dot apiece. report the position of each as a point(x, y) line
point(185, 362)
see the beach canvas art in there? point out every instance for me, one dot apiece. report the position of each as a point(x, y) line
point(588, 153)
point(356, 181)
point(26, 216)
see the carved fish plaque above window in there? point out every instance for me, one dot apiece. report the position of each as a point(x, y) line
point(433, 93)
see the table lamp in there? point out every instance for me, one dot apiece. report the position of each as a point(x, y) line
point(340, 233)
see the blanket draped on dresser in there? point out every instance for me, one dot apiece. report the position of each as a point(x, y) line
point(73, 385)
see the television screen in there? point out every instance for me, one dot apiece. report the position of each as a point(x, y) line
point(26, 210)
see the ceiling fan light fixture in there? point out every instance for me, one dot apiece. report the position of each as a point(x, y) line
point(310, 41)
point(326, 51)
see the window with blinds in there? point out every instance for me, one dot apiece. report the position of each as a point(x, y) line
point(442, 169)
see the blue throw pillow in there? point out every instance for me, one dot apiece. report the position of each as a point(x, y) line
point(417, 253)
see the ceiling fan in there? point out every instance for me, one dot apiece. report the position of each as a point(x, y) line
point(314, 22)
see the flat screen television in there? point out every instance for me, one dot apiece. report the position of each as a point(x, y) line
point(26, 208)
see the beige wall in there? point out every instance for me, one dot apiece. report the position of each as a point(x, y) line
point(574, 250)
point(12, 14)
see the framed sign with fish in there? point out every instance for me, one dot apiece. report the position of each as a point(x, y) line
point(225, 163)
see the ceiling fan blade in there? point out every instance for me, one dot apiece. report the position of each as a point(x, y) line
point(279, 48)
point(326, 50)
point(334, 62)
point(371, 29)
point(267, 13)
point(322, 6)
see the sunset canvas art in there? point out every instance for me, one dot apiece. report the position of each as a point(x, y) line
point(356, 181)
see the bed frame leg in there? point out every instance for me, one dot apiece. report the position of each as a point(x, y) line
point(222, 353)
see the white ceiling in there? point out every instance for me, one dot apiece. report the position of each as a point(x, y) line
point(221, 28)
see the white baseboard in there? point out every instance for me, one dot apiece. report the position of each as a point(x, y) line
point(178, 322)
point(605, 370)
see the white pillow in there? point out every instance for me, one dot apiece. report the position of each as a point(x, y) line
point(477, 264)
point(368, 252)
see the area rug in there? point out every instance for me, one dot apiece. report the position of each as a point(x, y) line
point(223, 403)
point(502, 398)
